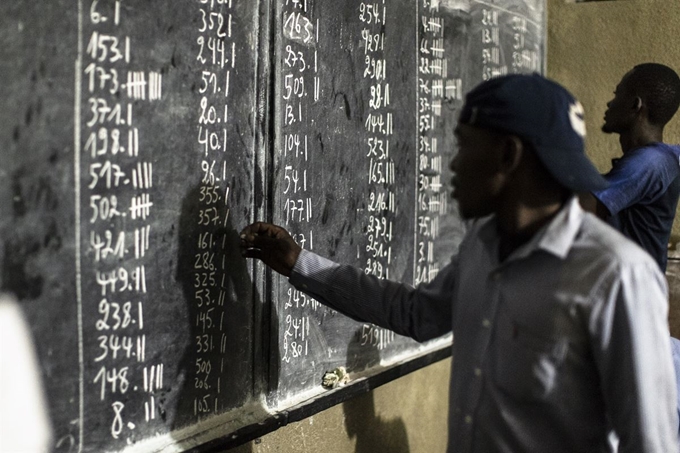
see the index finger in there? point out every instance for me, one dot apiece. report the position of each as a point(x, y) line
point(252, 229)
point(259, 230)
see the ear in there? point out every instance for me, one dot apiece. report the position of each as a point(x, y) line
point(512, 153)
point(637, 104)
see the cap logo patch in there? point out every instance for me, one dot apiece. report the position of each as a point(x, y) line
point(576, 117)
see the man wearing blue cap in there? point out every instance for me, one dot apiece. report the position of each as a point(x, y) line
point(559, 321)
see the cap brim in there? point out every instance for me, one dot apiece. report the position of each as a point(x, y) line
point(572, 170)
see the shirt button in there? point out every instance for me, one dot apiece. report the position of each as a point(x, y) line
point(496, 275)
point(486, 323)
point(468, 419)
point(304, 286)
point(478, 372)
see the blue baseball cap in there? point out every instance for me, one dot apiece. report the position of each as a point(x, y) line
point(540, 112)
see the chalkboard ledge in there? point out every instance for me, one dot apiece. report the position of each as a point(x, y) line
point(330, 398)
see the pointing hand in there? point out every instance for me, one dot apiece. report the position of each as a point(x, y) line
point(271, 244)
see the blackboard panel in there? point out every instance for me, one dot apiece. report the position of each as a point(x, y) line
point(355, 121)
point(138, 138)
point(131, 143)
point(367, 97)
point(186, 101)
point(36, 205)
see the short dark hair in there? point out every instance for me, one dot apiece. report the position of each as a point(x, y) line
point(659, 88)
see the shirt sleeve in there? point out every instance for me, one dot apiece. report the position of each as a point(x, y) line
point(631, 180)
point(421, 313)
point(675, 346)
point(633, 353)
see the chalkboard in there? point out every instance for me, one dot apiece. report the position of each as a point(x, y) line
point(368, 100)
point(138, 138)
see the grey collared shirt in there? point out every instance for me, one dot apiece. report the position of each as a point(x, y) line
point(563, 340)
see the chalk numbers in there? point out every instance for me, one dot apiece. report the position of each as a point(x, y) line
point(435, 86)
point(118, 206)
point(379, 127)
point(300, 89)
point(217, 56)
point(525, 57)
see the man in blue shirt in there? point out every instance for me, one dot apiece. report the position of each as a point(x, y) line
point(644, 183)
point(559, 321)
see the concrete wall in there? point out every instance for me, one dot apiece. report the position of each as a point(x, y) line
point(590, 47)
point(405, 416)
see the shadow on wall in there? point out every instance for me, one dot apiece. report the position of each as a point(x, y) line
point(372, 432)
point(247, 448)
point(218, 292)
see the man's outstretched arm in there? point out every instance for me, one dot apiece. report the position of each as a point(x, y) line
point(422, 313)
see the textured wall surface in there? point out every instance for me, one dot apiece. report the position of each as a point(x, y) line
point(592, 45)
point(673, 276)
point(405, 416)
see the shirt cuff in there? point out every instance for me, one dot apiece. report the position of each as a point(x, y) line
point(312, 273)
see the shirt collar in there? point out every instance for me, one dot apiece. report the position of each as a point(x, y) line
point(556, 237)
point(559, 235)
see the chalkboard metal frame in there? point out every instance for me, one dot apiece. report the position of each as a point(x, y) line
point(264, 140)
